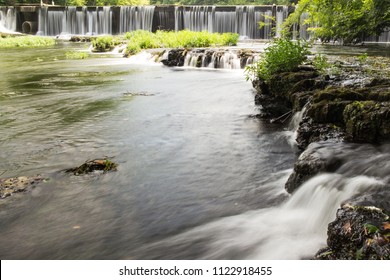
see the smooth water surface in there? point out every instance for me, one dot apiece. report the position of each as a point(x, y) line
point(199, 177)
point(188, 151)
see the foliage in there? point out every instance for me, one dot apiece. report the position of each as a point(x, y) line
point(76, 2)
point(344, 20)
point(281, 55)
point(76, 55)
point(26, 41)
point(321, 63)
point(104, 43)
point(141, 39)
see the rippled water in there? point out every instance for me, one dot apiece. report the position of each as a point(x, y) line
point(187, 148)
point(198, 176)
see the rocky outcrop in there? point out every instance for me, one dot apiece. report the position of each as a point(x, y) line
point(360, 114)
point(338, 111)
point(361, 229)
point(208, 57)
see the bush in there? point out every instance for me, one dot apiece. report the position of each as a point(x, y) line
point(26, 41)
point(282, 56)
point(141, 39)
point(104, 43)
point(76, 55)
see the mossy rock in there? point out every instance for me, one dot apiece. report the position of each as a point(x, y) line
point(337, 94)
point(95, 165)
point(282, 83)
point(367, 121)
point(328, 111)
point(359, 232)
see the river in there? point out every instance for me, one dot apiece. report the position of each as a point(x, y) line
point(199, 177)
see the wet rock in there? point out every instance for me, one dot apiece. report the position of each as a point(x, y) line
point(361, 229)
point(95, 165)
point(18, 184)
point(315, 159)
point(175, 57)
point(310, 131)
point(81, 39)
point(367, 121)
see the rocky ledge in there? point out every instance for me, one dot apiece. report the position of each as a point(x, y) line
point(208, 57)
point(336, 110)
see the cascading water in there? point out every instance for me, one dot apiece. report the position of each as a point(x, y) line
point(7, 19)
point(136, 17)
point(73, 20)
point(242, 20)
point(297, 228)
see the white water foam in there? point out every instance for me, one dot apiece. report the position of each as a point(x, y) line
point(294, 230)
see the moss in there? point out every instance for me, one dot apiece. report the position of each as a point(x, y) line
point(328, 112)
point(367, 121)
point(337, 93)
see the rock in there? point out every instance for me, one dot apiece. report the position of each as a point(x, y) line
point(90, 166)
point(361, 230)
point(175, 57)
point(310, 131)
point(18, 184)
point(367, 121)
point(315, 159)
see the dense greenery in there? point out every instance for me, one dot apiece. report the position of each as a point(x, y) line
point(349, 21)
point(105, 43)
point(140, 39)
point(282, 55)
point(26, 41)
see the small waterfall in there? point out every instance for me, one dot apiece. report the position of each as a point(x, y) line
point(7, 19)
point(75, 20)
point(241, 19)
point(136, 17)
point(295, 230)
point(215, 59)
point(198, 18)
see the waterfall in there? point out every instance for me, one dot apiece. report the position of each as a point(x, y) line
point(294, 230)
point(136, 17)
point(7, 19)
point(75, 20)
point(241, 19)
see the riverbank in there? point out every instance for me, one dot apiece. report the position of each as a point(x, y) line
point(350, 106)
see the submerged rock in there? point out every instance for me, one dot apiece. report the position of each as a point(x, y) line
point(18, 184)
point(95, 165)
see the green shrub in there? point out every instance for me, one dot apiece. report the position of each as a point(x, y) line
point(104, 43)
point(26, 41)
point(76, 55)
point(282, 56)
point(141, 39)
point(321, 63)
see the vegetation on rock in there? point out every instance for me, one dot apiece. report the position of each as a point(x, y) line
point(140, 39)
point(283, 55)
point(100, 165)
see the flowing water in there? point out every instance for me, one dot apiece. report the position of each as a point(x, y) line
point(199, 177)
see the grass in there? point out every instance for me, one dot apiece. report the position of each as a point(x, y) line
point(26, 41)
point(140, 39)
point(76, 55)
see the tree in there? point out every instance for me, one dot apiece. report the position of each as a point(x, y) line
point(349, 21)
